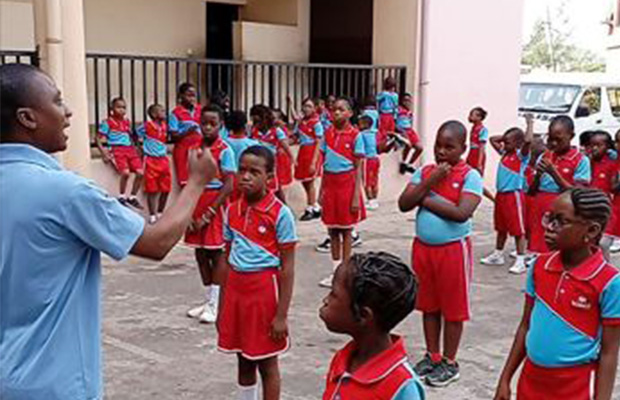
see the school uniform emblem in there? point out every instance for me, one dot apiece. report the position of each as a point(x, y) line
point(455, 185)
point(262, 229)
point(581, 302)
point(566, 170)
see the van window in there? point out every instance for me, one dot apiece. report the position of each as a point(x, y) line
point(614, 100)
point(591, 100)
point(547, 97)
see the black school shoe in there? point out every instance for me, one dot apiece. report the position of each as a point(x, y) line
point(443, 375)
point(308, 215)
point(123, 201)
point(135, 203)
point(425, 366)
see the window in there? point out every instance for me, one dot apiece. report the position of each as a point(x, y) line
point(590, 102)
point(614, 100)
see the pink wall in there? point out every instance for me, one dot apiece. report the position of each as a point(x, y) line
point(471, 56)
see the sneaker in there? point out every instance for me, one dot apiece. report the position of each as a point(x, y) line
point(518, 267)
point(410, 169)
point(152, 219)
point(196, 311)
point(308, 215)
point(372, 205)
point(513, 254)
point(425, 366)
point(443, 375)
point(208, 315)
point(402, 168)
point(327, 282)
point(135, 203)
point(615, 247)
point(124, 201)
point(357, 240)
point(324, 247)
point(495, 258)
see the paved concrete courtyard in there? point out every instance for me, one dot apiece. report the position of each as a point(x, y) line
point(153, 351)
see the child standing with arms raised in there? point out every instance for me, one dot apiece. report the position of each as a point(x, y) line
point(260, 242)
point(570, 330)
point(446, 195)
point(478, 138)
point(184, 124)
point(121, 151)
point(341, 188)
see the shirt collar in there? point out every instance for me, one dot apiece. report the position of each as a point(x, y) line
point(263, 205)
point(375, 369)
point(26, 153)
point(585, 271)
point(569, 155)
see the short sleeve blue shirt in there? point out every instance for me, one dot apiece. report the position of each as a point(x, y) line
point(53, 226)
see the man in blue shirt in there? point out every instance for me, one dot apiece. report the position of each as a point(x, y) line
point(53, 226)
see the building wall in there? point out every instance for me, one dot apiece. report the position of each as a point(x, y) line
point(282, 12)
point(16, 25)
point(470, 58)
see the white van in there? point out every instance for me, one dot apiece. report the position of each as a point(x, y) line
point(591, 100)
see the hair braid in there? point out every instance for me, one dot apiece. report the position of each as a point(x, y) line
point(592, 204)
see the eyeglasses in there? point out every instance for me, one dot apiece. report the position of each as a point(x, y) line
point(555, 222)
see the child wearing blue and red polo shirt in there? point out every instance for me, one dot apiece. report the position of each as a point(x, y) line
point(341, 187)
point(509, 214)
point(284, 160)
point(387, 104)
point(184, 125)
point(205, 233)
point(260, 242)
point(157, 175)
point(446, 195)
point(404, 126)
point(478, 138)
point(614, 224)
point(372, 293)
point(238, 140)
point(570, 330)
point(120, 150)
point(372, 163)
point(559, 168)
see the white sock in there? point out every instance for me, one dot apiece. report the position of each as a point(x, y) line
point(158, 215)
point(208, 290)
point(152, 219)
point(133, 196)
point(309, 209)
point(248, 392)
point(122, 196)
point(215, 294)
point(316, 207)
point(521, 258)
point(498, 252)
point(336, 264)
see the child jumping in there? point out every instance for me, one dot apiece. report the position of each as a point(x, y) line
point(569, 334)
point(157, 175)
point(205, 233)
point(120, 151)
point(341, 188)
point(446, 195)
point(509, 214)
point(372, 293)
point(260, 242)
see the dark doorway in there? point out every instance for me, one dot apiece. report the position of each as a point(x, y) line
point(341, 31)
point(220, 18)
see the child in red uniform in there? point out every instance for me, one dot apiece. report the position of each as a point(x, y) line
point(614, 229)
point(184, 124)
point(121, 151)
point(157, 176)
point(372, 293)
point(206, 232)
point(387, 105)
point(537, 149)
point(570, 330)
point(372, 163)
point(309, 132)
point(260, 242)
point(446, 195)
point(477, 139)
point(341, 187)
point(560, 168)
point(509, 212)
point(404, 126)
point(284, 161)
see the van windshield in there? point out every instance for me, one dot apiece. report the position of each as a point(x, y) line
point(547, 97)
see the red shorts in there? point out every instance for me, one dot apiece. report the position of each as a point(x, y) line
point(387, 124)
point(413, 137)
point(569, 383)
point(248, 310)
point(157, 176)
point(530, 204)
point(371, 172)
point(337, 193)
point(444, 273)
point(180, 155)
point(284, 169)
point(472, 159)
point(126, 159)
point(509, 213)
point(304, 162)
point(210, 237)
point(542, 204)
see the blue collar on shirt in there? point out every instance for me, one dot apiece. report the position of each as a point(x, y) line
point(26, 153)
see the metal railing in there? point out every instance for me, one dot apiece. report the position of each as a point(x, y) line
point(19, 57)
point(144, 80)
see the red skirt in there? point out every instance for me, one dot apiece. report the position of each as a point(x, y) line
point(371, 172)
point(570, 383)
point(248, 310)
point(472, 159)
point(509, 213)
point(530, 205)
point(210, 237)
point(284, 168)
point(180, 155)
point(304, 162)
point(613, 226)
point(542, 204)
point(337, 193)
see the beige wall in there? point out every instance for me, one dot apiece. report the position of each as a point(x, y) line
point(16, 25)
point(271, 11)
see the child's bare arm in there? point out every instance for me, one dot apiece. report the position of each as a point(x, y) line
point(413, 195)
point(459, 213)
point(517, 353)
point(355, 203)
point(608, 362)
point(497, 143)
point(105, 154)
point(279, 327)
point(287, 148)
point(529, 134)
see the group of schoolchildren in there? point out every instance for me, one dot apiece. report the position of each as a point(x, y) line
point(245, 239)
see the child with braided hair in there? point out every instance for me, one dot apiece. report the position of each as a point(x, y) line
point(371, 294)
point(569, 334)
